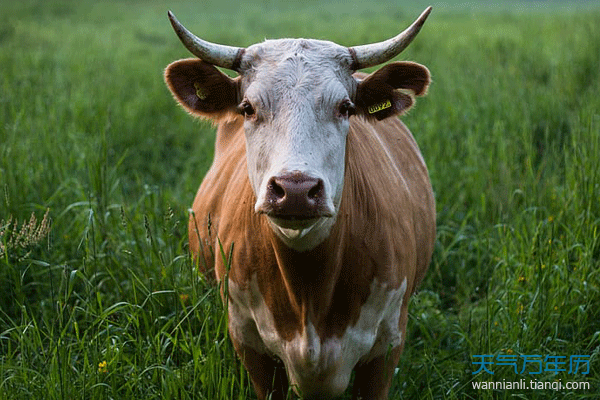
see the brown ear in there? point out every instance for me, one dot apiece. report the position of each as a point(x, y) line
point(391, 89)
point(201, 88)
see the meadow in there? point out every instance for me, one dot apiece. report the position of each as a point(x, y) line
point(99, 298)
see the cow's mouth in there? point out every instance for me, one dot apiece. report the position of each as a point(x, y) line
point(301, 231)
point(294, 221)
point(293, 229)
point(294, 217)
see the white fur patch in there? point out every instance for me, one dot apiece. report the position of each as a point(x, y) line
point(316, 366)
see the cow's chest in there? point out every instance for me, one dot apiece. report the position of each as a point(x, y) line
point(319, 365)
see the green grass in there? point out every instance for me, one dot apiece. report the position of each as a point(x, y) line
point(108, 306)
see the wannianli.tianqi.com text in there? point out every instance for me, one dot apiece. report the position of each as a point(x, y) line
point(532, 364)
point(533, 384)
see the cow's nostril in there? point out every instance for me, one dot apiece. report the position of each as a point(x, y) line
point(317, 191)
point(276, 189)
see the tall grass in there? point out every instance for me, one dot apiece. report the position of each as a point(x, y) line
point(107, 304)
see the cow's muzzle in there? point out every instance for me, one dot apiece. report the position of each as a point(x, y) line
point(295, 198)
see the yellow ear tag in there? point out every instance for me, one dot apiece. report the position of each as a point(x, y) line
point(378, 107)
point(200, 91)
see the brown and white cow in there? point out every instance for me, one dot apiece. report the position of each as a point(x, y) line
point(325, 198)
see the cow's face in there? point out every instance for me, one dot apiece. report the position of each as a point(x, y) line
point(296, 98)
point(296, 101)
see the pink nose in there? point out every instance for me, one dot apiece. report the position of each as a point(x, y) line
point(295, 196)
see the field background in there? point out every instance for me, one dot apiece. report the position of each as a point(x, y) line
point(100, 299)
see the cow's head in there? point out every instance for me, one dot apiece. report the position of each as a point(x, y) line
point(296, 97)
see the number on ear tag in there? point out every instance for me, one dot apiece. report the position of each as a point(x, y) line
point(378, 107)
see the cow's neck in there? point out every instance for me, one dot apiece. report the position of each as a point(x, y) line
point(304, 272)
point(322, 284)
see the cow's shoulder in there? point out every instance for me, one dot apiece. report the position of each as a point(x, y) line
point(224, 197)
point(388, 193)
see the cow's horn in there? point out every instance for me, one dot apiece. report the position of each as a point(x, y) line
point(369, 55)
point(217, 54)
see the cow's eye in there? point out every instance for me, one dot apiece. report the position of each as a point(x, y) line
point(347, 108)
point(246, 109)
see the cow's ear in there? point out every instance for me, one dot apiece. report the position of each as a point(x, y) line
point(201, 88)
point(391, 89)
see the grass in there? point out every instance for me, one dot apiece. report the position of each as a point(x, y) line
point(105, 303)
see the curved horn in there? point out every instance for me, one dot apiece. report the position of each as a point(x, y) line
point(369, 55)
point(217, 54)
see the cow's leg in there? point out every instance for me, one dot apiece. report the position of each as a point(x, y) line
point(268, 377)
point(373, 379)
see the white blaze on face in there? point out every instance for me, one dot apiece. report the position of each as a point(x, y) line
point(295, 93)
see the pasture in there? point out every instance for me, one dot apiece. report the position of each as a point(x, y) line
point(99, 298)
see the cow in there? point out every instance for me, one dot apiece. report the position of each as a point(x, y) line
point(317, 214)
